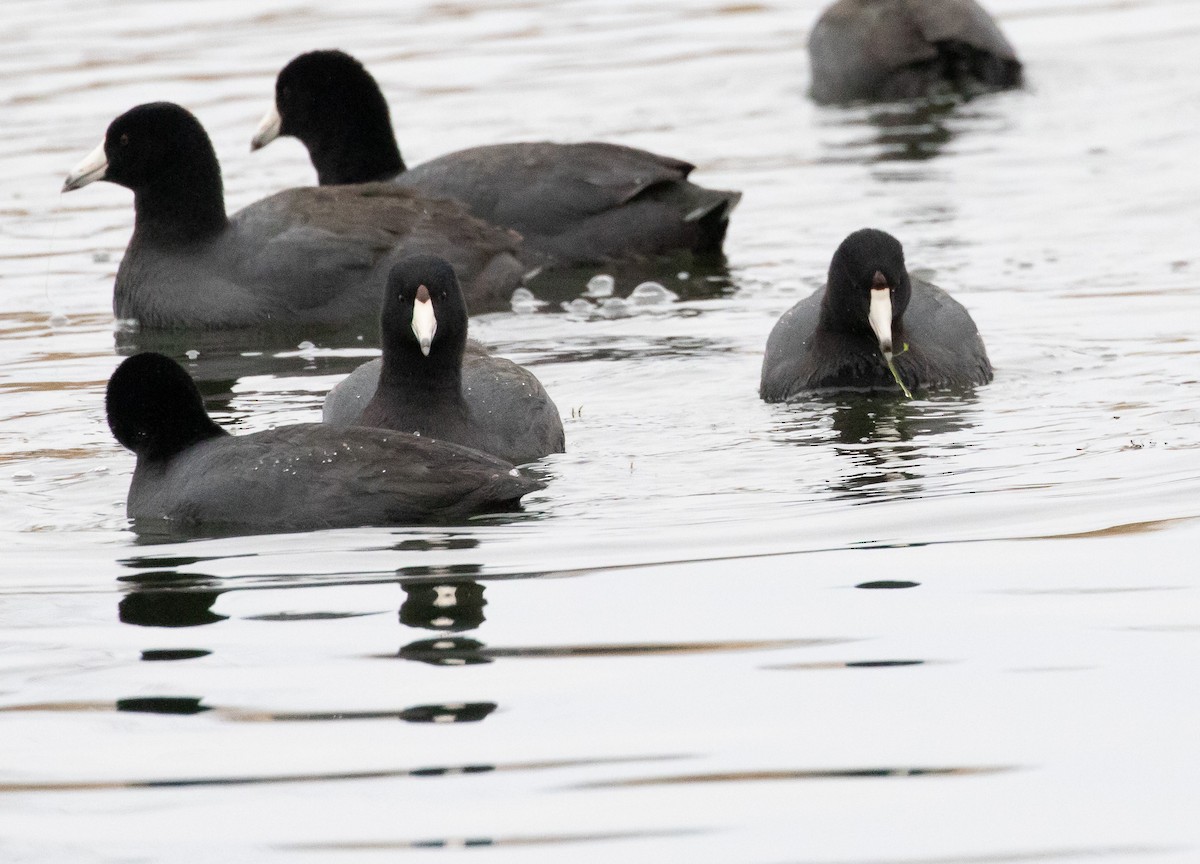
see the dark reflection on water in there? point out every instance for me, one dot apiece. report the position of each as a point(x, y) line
point(167, 654)
point(236, 344)
point(801, 774)
point(169, 579)
point(306, 616)
point(152, 562)
point(866, 418)
point(334, 776)
point(446, 652)
point(448, 712)
point(169, 608)
point(472, 842)
point(438, 571)
point(462, 652)
point(913, 131)
point(429, 544)
point(918, 133)
point(218, 360)
point(849, 664)
point(882, 436)
point(185, 705)
point(887, 585)
point(469, 713)
point(168, 598)
point(158, 532)
point(442, 713)
point(451, 607)
point(456, 712)
point(449, 772)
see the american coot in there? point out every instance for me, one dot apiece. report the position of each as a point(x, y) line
point(902, 49)
point(578, 203)
point(304, 256)
point(870, 310)
point(425, 386)
point(189, 470)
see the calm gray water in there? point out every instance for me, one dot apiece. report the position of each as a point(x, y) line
point(848, 630)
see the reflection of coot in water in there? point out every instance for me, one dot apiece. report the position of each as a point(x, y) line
point(218, 359)
point(179, 705)
point(889, 443)
point(861, 418)
point(169, 598)
point(169, 608)
point(870, 310)
point(905, 49)
point(894, 441)
point(911, 131)
point(463, 712)
point(451, 607)
point(447, 651)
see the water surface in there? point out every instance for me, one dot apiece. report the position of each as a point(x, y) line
point(852, 629)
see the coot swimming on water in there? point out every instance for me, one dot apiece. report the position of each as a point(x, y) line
point(303, 256)
point(578, 203)
point(428, 386)
point(903, 49)
point(190, 471)
point(869, 311)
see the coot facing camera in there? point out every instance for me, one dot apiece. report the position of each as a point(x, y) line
point(872, 313)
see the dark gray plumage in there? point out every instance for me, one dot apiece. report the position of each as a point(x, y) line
point(448, 388)
point(577, 203)
point(826, 340)
point(303, 256)
point(902, 49)
point(191, 472)
point(582, 203)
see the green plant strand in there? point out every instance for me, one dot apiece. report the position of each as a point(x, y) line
point(892, 368)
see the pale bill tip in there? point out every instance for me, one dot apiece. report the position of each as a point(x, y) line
point(424, 324)
point(268, 129)
point(879, 316)
point(89, 169)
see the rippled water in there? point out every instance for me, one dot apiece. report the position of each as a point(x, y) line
point(846, 630)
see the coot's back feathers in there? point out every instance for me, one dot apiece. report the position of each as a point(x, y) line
point(902, 49)
point(312, 476)
point(582, 203)
point(507, 398)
